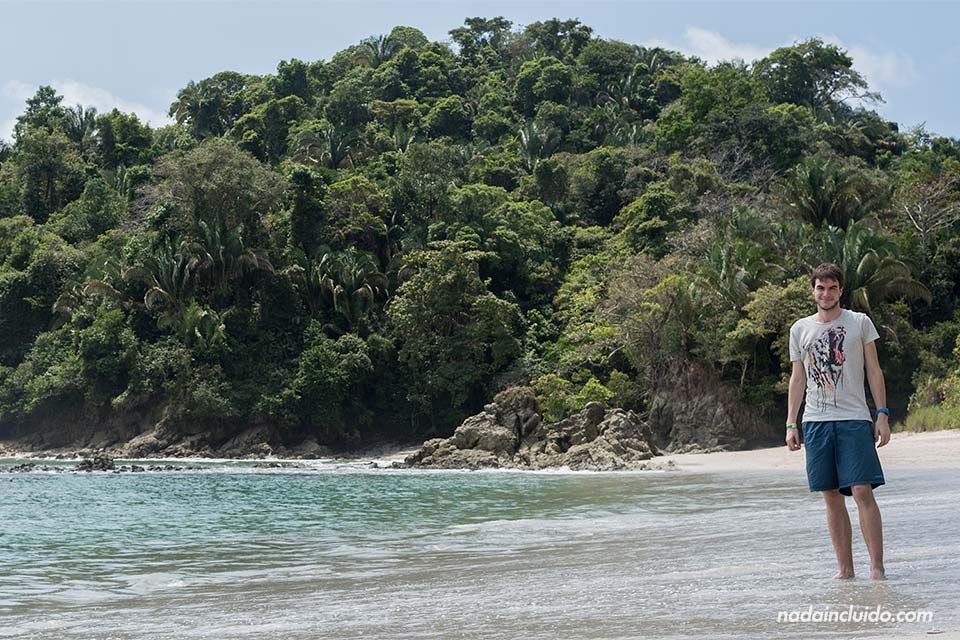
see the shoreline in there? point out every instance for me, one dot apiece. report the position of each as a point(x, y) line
point(929, 450)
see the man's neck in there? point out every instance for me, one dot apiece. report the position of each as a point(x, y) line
point(829, 316)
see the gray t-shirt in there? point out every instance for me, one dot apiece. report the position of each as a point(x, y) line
point(832, 354)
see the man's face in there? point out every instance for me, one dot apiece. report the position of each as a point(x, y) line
point(827, 294)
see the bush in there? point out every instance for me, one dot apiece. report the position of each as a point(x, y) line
point(935, 418)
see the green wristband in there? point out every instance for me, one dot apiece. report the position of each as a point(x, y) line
point(791, 425)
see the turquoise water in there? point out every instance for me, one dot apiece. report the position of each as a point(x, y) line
point(346, 551)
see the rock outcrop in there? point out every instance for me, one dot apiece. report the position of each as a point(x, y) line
point(510, 433)
point(98, 462)
point(696, 413)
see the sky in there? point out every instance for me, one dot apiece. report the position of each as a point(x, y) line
point(136, 54)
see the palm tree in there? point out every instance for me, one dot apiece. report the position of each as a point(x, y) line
point(104, 281)
point(402, 138)
point(626, 134)
point(872, 273)
point(170, 276)
point(80, 125)
point(199, 326)
point(537, 143)
point(376, 50)
point(824, 193)
point(223, 256)
point(346, 284)
point(352, 282)
point(327, 144)
point(736, 269)
point(740, 260)
point(198, 106)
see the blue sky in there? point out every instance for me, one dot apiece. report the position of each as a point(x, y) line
point(135, 55)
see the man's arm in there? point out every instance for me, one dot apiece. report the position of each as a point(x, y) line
point(881, 430)
point(798, 384)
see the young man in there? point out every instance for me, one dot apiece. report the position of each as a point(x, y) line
point(829, 351)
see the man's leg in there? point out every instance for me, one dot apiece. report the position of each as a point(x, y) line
point(872, 526)
point(838, 520)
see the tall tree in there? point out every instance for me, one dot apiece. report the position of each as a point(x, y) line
point(454, 333)
point(80, 124)
point(813, 74)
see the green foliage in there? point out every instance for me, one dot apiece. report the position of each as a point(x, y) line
point(307, 212)
point(216, 179)
point(356, 215)
point(427, 171)
point(263, 132)
point(595, 184)
point(122, 140)
point(481, 34)
point(645, 222)
point(543, 79)
point(211, 106)
point(560, 38)
point(50, 373)
point(765, 327)
point(932, 419)
point(51, 171)
point(43, 113)
point(108, 351)
point(559, 398)
point(330, 382)
point(554, 395)
point(522, 205)
point(811, 74)
point(451, 117)
point(348, 100)
point(454, 334)
point(98, 210)
point(522, 241)
point(38, 265)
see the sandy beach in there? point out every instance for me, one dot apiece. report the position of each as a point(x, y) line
point(906, 450)
point(931, 450)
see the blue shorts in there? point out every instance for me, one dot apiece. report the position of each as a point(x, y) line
point(841, 454)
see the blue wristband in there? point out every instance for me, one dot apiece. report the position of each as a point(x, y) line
point(884, 411)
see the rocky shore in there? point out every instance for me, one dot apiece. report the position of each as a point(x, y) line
point(510, 433)
point(99, 462)
point(692, 416)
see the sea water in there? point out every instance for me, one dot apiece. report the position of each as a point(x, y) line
point(336, 550)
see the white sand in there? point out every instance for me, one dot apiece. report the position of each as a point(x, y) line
point(933, 450)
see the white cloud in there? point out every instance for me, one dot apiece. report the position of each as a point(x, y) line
point(883, 70)
point(6, 129)
point(74, 93)
point(712, 47)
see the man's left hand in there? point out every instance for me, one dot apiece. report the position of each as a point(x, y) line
point(881, 430)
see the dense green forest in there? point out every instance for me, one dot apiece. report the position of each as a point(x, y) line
point(372, 246)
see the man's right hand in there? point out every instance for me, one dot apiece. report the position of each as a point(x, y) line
point(793, 439)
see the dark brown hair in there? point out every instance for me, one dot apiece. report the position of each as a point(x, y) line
point(827, 271)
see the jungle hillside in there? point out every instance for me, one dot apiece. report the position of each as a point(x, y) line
point(369, 248)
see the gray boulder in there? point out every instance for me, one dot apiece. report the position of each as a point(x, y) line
point(510, 433)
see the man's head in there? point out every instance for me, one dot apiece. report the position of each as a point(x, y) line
point(827, 283)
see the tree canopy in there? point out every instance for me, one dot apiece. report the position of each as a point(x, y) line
point(373, 245)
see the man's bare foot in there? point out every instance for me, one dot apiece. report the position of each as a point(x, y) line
point(843, 575)
point(878, 574)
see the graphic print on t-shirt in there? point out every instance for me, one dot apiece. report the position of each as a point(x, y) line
point(825, 365)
